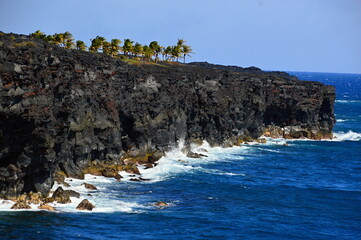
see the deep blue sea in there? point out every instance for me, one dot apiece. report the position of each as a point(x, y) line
point(299, 190)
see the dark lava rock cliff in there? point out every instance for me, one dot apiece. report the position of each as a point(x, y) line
point(61, 109)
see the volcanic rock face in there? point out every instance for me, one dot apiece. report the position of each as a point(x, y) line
point(61, 109)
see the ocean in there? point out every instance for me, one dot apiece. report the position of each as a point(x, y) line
point(284, 189)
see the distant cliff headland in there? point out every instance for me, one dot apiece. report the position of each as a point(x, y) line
point(65, 112)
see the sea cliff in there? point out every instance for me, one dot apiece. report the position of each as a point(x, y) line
point(61, 109)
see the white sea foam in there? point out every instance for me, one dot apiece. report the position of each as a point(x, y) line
point(270, 150)
point(348, 136)
point(275, 141)
point(347, 101)
point(176, 162)
point(166, 167)
point(5, 205)
point(337, 137)
point(342, 120)
point(219, 172)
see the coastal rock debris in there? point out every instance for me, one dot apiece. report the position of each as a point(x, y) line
point(195, 155)
point(106, 169)
point(21, 205)
point(61, 196)
point(183, 161)
point(25, 199)
point(85, 205)
point(131, 169)
point(59, 177)
point(139, 179)
point(90, 186)
point(161, 204)
point(46, 207)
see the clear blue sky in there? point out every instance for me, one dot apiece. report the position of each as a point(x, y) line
point(299, 35)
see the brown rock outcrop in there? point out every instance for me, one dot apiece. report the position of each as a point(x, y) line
point(85, 205)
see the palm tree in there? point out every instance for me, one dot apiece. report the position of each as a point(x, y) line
point(69, 44)
point(176, 52)
point(148, 52)
point(180, 42)
point(50, 39)
point(156, 48)
point(159, 51)
point(97, 43)
point(162, 49)
point(167, 52)
point(186, 50)
point(132, 51)
point(114, 46)
point(38, 34)
point(106, 47)
point(63, 39)
point(80, 45)
point(58, 39)
point(138, 49)
point(128, 46)
point(68, 40)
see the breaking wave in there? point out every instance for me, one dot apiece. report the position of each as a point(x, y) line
point(348, 101)
point(346, 136)
point(342, 120)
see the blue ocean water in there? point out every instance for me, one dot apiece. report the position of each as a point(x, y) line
point(279, 190)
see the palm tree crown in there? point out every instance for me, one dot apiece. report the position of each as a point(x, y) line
point(156, 48)
point(128, 46)
point(176, 52)
point(114, 46)
point(97, 43)
point(138, 49)
point(80, 45)
point(186, 50)
point(38, 34)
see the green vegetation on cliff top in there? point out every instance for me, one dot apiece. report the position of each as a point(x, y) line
point(129, 50)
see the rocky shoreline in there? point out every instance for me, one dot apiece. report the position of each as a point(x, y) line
point(64, 193)
point(65, 113)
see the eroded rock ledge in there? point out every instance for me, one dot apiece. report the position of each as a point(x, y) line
point(62, 109)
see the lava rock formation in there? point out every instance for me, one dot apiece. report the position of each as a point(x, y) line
point(61, 109)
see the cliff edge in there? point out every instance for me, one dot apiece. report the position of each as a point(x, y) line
point(62, 109)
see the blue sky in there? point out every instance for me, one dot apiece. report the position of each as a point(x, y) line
point(293, 35)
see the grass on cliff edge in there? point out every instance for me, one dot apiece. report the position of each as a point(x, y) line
point(140, 63)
